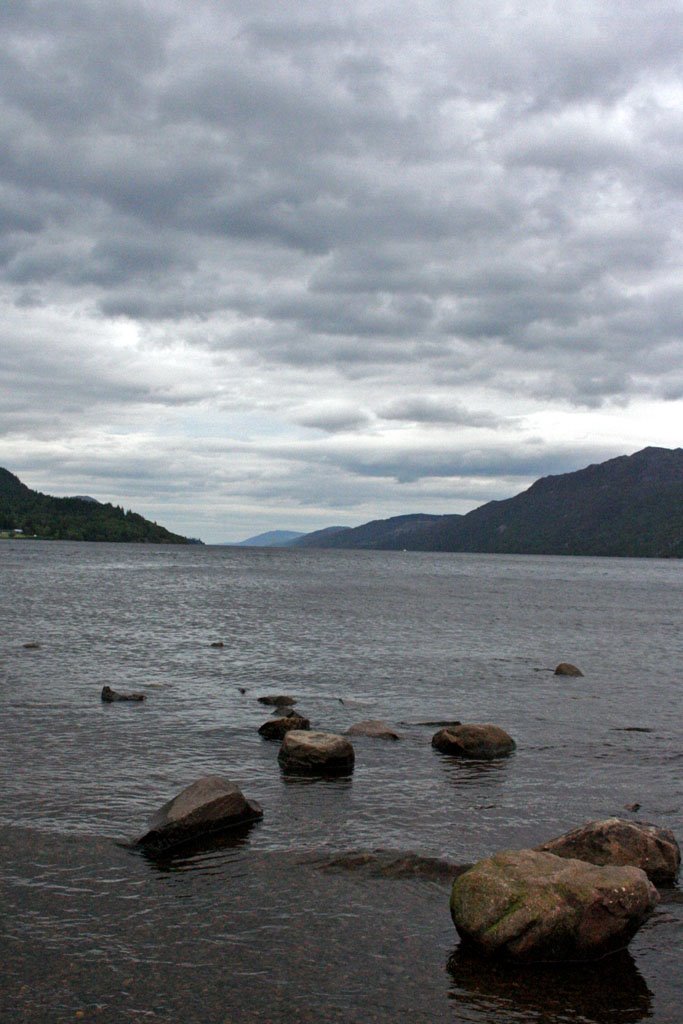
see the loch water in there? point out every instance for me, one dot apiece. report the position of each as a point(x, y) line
point(265, 926)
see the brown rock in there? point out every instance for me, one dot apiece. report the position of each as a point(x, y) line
point(109, 696)
point(481, 742)
point(616, 841)
point(371, 727)
point(316, 752)
point(209, 805)
point(567, 669)
point(279, 700)
point(277, 728)
point(531, 906)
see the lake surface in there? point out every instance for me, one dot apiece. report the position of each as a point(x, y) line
point(259, 928)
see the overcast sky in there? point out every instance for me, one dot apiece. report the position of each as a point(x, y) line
point(268, 267)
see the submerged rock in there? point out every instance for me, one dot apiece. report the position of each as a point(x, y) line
point(217, 643)
point(533, 906)
point(372, 727)
point(316, 752)
point(392, 864)
point(32, 645)
point(276, 729)
point(109, 696)
point(481, 742)
point(616, 841)
point(279, 700)
point(565, 668)
point(207, 806)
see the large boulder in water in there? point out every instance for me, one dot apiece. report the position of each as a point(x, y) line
point(615, 841)
point(532, 906)
point(209, 805)
point(481, 742)
point(316, 752)
point(375, 729)
point(277, 728)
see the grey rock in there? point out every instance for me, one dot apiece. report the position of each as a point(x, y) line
point(532, 906)
point(279, 700)
point(618, 841)
point(565, 668)
point(208, 806)
point(276, 729)
point(478, 741)
point(316, 752)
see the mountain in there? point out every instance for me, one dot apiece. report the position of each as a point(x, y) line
point(83, 518)
point(628, 506)
point(319, 538)
point(271, 539)
point(385, 534)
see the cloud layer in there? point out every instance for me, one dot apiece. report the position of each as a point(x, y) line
point(264, 268)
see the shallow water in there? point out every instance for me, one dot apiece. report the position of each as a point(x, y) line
point(403, 637)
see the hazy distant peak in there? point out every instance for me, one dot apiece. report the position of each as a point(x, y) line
point(270, 539)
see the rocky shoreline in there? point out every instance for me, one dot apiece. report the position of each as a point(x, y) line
point(94, 933)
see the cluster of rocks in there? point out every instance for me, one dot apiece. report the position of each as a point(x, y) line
point(576, 897)
point(579, 896)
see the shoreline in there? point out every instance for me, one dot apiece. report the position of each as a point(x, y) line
point(95, 932)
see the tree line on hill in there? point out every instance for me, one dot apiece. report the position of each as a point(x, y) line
point(28, 513)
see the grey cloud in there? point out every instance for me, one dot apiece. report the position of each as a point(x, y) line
point(332, 417)
point(408, 463)
point(425, 409)
point(408, 208)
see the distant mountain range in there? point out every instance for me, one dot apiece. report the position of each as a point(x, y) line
point(628, 506)
point(387, 534)
point(28, 513)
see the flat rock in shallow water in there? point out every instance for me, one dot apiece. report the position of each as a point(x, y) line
point(279, 700)
point(480, 742)
point(375, 729)
point(209, 805)
point(531, 906)
point(110, 696)
point(615, 841)
point(393, 864)
point(316, 752)
point(276, 729)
